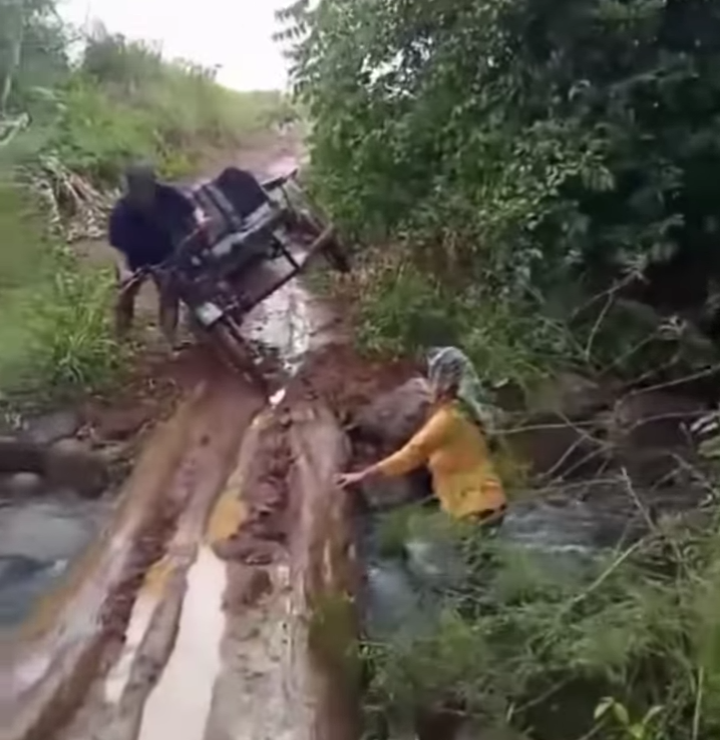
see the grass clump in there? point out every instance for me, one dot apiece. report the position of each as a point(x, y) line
point(74, 347)
point(56, 333)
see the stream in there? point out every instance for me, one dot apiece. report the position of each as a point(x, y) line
point(38, 541)
point(563, 537)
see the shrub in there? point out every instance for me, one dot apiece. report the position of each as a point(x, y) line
point(73, 344)
point(540, 641)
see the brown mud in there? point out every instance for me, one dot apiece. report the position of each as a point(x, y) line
point(46, 667)
point(194, 611)
point(194, 614)
point(334, 382)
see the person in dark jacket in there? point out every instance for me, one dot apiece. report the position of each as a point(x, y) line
point(146, 225)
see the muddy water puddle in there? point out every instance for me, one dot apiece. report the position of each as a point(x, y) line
point(290, 324)
point(180, 703)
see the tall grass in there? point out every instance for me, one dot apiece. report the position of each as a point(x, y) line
point(127, 101)
point(55, 322)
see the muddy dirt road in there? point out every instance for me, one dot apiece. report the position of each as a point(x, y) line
point(188, 616)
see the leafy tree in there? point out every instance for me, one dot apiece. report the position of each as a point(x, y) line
point(33, 56)
point(527, 138)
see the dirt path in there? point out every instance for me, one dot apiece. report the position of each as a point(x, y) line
point(191, 615)
point(190, 618)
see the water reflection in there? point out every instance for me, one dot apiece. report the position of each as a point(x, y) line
point(179, 705)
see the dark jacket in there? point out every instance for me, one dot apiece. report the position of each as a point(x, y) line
point(148, 238)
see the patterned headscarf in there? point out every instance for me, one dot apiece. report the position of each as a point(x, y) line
point(450, 368)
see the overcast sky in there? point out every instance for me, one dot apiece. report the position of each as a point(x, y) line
point(235, 34)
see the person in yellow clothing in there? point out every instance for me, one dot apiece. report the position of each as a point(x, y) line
point(451, 443)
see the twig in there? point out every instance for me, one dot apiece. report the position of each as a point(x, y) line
point(698, 703)
point(598, 323)
point(679, 381)
point(648, 519)
point(611, 291)
point(592, 731)
point(602, 577)
point(591, 455)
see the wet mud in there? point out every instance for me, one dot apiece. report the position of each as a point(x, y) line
point(217, 600)
point(45, 668)
point(194, 613)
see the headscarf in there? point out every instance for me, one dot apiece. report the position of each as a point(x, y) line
point(449, 368)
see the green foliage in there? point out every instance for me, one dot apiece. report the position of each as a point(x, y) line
point(542, 641)
point(74, 346)
point(121, 101)
point(403, 309)
point(127, 102)
point(56, 332)
point(643, 729)
point(536, 135)
point(524, 146)
point(33, 55)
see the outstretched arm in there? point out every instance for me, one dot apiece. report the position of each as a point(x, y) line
point(415, 453)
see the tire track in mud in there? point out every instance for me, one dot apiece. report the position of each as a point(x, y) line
point(198, 610)
point(134, 582)
point(169, 496)
point(244, 664)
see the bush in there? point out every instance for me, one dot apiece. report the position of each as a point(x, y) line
point(527, 146)
point(402, 309)
point(56, 332)
point(58, 337)
point(73, 342)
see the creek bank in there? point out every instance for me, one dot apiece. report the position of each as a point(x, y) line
point(579, 444)
point(603, 469)
point(61, 470)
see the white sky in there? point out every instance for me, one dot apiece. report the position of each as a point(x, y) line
point(235, 34)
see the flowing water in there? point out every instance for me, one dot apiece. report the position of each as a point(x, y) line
point(38, 541)
point(562, 537)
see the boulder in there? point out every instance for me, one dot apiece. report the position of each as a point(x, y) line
point(509, 397)
point(654, 419)
point(122, 423)
point(393, 417)
point(21, 456)
point(70, 464)
point(550, 445)
point(653, 467)
point(570, 395)
point(22, 484)
point(49, 428)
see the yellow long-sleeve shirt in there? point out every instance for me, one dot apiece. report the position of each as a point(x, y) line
point(456, 453)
